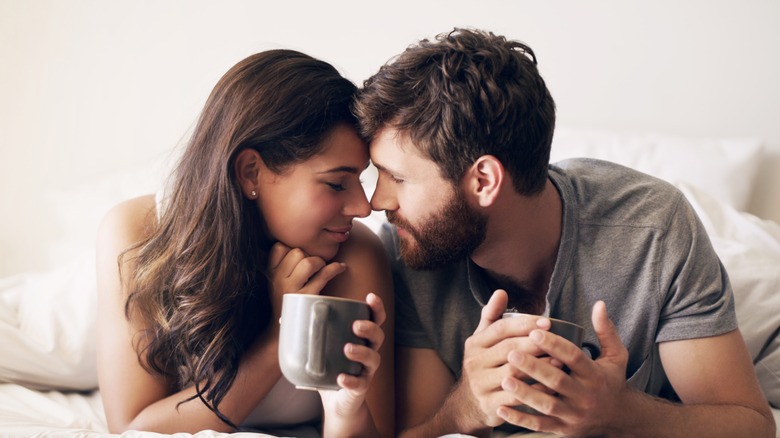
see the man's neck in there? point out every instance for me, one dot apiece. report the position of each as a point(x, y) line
point(522, 241)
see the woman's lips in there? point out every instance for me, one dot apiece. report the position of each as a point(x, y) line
point(340, 234)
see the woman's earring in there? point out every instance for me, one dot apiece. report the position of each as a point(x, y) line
point(254, 194)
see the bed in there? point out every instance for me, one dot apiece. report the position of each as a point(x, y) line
point(48, 383)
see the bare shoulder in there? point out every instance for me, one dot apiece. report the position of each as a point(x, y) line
point(124, 225)
point(367, 266)
point(128, 220)
point(362, 243)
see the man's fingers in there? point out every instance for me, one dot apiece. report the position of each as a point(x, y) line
point(611, 345)
point(493, 310)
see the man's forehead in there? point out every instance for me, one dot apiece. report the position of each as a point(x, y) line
point(390, 156)
point(391, 140)
point(395, 153)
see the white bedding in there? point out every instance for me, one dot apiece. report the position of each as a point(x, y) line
point(47, 320)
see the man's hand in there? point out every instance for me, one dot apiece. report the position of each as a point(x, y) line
point(579, 403)
point(485, 364)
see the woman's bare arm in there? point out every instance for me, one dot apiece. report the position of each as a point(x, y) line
point(134, 399)
point(368, 272)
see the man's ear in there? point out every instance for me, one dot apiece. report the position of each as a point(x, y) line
point(247, 167)
point(484, 180)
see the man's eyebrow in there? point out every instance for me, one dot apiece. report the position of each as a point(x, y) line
point(385, 169)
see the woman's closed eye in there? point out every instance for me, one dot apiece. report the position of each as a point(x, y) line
point(336, 187)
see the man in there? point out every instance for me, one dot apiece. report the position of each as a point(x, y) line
point(460, 129)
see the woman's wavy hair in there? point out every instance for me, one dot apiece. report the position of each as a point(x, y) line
point(466, 94)
point(199, 282)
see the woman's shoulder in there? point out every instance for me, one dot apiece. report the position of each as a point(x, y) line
point(128, 221)
point(367, 266)
point(363, 244)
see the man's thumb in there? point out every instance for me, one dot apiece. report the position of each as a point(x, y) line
point(493, 310)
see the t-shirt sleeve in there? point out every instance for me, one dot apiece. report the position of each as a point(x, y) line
point(698, 301)
point(409, 331)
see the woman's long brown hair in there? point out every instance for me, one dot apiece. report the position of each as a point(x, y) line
point(199, 283)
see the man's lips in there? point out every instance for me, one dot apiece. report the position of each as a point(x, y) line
point(402, 232)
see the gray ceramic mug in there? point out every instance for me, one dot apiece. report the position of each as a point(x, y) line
point(570, 331)
point(313, 332)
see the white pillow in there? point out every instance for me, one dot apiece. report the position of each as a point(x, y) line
point(724, 168)
point(47, 327)
point(78, 210)
point(749, 248)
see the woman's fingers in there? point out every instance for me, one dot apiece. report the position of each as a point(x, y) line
point(378, 313)
point(312, 277)
point(370, 331)
point(276, 255)
point(369, 358)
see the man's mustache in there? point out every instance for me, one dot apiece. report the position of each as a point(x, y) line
point(394, 219)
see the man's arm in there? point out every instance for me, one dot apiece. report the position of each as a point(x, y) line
point(713, 377)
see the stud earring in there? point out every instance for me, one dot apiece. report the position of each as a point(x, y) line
point(254, 194)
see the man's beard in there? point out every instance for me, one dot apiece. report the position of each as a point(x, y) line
point(452, 233)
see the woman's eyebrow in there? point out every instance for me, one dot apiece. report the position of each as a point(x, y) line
point(340, 169)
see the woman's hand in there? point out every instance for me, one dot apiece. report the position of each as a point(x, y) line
point(294, 271)
point(342, 405)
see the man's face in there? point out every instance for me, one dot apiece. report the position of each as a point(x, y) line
point(435, 223)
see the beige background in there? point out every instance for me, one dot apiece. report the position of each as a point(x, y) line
point(91, 88)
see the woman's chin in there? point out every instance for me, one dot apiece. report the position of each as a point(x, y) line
point(327, 253)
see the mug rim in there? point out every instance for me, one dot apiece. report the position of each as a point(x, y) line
point(324, 297)
point(562, 321)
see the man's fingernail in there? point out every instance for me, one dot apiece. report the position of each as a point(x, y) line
point(509, 384)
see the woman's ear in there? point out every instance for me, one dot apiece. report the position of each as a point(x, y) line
point(247, 167)
point(484, 179)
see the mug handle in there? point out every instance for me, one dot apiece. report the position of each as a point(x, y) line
point(315, 363)
point(592, 350)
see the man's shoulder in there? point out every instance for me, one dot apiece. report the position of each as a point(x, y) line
point(592, 172)
point(601, 192)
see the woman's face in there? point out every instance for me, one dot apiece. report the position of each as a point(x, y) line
point(311, 205)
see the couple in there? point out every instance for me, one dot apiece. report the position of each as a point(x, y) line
point(262, 204)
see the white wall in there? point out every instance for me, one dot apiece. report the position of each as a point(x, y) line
point(90, 87)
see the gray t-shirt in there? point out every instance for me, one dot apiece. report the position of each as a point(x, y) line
point(627, 238)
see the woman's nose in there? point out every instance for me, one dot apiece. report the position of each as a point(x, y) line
point(358, 205)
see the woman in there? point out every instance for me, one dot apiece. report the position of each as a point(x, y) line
point(261, 204)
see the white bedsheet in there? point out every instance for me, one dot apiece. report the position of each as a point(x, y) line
point(27, 412)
